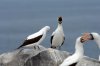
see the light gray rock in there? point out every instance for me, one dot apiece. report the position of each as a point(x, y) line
point(40, 56)
point(19, 57)
point(86, 61)
point(50, 57)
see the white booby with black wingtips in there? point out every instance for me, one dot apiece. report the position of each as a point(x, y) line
point(96, 37)
point(79, 53)
point(58, 37)
point(35, 38)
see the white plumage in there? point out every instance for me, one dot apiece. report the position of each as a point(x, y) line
point(57, 37)
point(96, 37)
point(79, 53)
point(35, 38)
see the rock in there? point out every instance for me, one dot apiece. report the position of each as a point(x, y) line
point(19, 57)
point(86, 61)
point(40, 56)
point(50, 57)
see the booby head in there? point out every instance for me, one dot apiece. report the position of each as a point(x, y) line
point(90, 36)
point(47, 28)
point(60, 20)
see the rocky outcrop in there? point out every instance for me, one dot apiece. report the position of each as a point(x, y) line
point(40, 56)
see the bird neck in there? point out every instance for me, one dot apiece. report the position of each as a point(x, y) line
point(97, 40)
point(79, 48)
point(60, 26)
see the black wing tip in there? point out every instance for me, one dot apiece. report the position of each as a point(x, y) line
point(63, 41)
point(30, 41)
point(51, 39)
point(23, 44)
point(19, 47)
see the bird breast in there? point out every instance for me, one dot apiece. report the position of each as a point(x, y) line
point(57, 39)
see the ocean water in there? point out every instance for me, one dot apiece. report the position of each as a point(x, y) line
point(20, 18)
